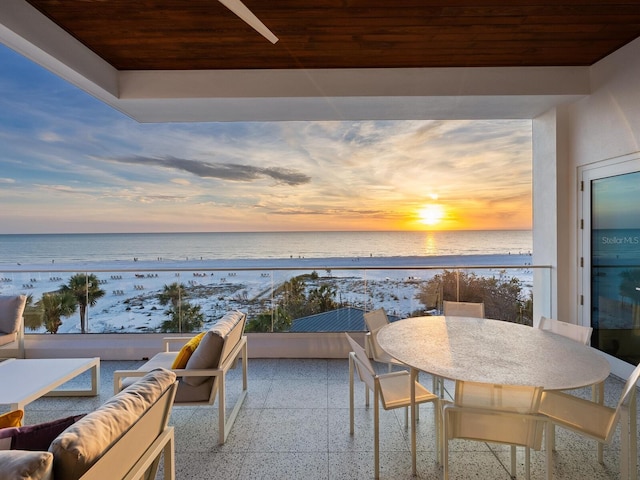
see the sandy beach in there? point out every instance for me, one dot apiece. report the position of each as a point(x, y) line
point(130, 303)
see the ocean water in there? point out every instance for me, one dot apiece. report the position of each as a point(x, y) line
point(31, 249)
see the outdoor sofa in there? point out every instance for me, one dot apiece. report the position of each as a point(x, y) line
point(201, 366)
point(123, 439)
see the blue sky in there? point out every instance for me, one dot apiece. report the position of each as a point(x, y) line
point(71, 164)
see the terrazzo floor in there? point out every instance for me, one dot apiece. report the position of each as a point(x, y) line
point(294, 424)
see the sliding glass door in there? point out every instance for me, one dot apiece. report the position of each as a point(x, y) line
point(612, 263)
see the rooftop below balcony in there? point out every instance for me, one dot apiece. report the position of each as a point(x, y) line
point(294, 423)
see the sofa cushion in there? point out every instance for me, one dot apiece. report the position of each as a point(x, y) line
point(186, 351)
point(188, 393)
point(11, 309)
point(11, 419)
point(77, 448)
point(35, 437)
point(207, 354)
point(159, 360)
point(24, 465)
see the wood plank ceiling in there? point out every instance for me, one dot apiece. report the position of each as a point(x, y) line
point(203, 34)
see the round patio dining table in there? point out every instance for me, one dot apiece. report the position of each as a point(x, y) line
point(490, 351)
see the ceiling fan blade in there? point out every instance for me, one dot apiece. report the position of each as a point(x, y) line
point(240, 9)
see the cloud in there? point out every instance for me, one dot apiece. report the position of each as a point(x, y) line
point(181, 181)
point(7, 180)
point(140, 195)
point(63, 189)
point(50, 137)
point(222, 171)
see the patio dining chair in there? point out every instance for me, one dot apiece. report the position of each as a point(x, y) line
point(599, 422)
point(579, 333)
point(457, 309)
point(505, 414)
point(463, 309)
point(375, 320)
point(391, 390)
point(12, 326)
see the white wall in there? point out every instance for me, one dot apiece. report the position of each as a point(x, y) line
point(606, 124)
point(544, 179)
point(601, 126)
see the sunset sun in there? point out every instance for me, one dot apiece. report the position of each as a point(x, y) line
point(431, 214)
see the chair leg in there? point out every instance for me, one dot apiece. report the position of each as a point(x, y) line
point(597, 395)
point(513, 461)
point(438, 386)
point(351, 395)
point(549, 450)
point(438, 423)
point(376, 432)
point(633, 436)
point(444, 442)
point(169, 466)
point(222, 412)
point(625, 457)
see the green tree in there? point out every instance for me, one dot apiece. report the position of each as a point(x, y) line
point(294, 300)
point(32, 314)
point(184, 317)
point(502, 296)
point(54, 306)
point(173, 294)
point(277, 320)
point(85, 290)
point(322, 299)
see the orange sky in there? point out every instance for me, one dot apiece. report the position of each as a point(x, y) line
point(71, 164)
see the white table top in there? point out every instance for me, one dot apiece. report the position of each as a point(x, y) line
point(492, 351)
point(24, 380)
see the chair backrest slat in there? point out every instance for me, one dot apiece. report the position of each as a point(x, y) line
point(463, 309)
point(365, 370)
point(629, 387)
point(512, 398)
point(376, 319)
point(579, 333)
point(497, 413)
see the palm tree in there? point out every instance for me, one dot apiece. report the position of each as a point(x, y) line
point(294, 300)
point(173, 293)
point(54, 306)
point(322, 299)
point(186, 318)
point(32, 314)
point(85, 290)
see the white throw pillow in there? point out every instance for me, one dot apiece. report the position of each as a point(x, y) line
point(11, 310)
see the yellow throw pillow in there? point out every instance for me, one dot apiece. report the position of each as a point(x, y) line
point(11, 419)
point(185, 352)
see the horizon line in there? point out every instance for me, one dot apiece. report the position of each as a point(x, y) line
point(277, 231)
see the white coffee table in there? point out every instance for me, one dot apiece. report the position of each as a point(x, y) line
point(26, 380)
